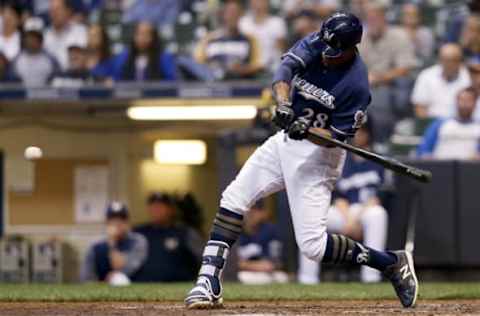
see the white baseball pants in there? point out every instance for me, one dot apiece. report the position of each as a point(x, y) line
point(374, 221)
point(307, 171)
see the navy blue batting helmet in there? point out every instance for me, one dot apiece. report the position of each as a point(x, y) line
point(340, 32)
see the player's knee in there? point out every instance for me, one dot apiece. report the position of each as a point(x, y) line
point(313, 247)
point(233, 200)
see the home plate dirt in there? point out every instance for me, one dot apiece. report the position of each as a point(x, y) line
point(330, 307)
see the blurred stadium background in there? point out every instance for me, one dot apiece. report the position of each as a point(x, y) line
point(116, 100)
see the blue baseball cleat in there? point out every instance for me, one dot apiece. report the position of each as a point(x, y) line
point(203, 295)
point(403, 278)
point(207, 292)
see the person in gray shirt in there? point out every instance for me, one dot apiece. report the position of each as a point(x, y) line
point(122, 253)
point(33, 65)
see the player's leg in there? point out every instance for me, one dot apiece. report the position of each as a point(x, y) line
point(260, 176)
point(396, 266)
point(309, 180)
point(374, 221)
point(309, 270)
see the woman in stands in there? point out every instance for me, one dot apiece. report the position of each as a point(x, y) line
point(100, 60)
point(470, 39)
point(145, 59)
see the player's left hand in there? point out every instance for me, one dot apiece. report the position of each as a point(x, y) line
point(298, 130)
point(284, 115)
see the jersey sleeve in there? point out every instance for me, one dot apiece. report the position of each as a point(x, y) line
point(350, 114)
point(297, 58)
point(304, 51)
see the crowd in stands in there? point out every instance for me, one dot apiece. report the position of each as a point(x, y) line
point(416, 68)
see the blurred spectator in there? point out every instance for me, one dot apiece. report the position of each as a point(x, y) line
point(145, 59)
point(260, 249)
point(120, 255)
point(34, 66)
point(154, 11)
point(99, 52)
point(474, 70)
point(454, 138)
point(10, 34)
point(435, 91)
point(304, 23)
point(390, 56)
point(470, 38)
point(269, 31)
point(174, 251)
point(6, 73)
point(228, 53)
point(63, 32)
point(77, 73)
point(421, 36)
point(359, 8)
point(322, 8)
point(25, 5)
point(190, 212)
point(455, 27)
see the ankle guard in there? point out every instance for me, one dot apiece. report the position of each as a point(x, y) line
point(214, 258)
point(213, 261)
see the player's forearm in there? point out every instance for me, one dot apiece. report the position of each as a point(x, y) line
point(281, 92)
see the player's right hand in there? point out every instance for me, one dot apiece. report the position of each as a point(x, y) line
point(284, 115)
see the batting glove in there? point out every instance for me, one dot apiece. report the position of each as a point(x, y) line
point(299, 129)
point(284, 115)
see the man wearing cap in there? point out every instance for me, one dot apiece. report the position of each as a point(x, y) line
point(174, 250)
point(118, 256)
point(77, 73)
point(34, 66)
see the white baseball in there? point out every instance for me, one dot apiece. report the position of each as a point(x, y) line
point(33, 152)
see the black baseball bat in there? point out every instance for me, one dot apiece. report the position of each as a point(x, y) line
point(387, 162)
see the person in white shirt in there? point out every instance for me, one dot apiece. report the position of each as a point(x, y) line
point(269, 31)
point(64, 32)
point(455, 138)
point(33, 65)
point(436, 87)
point(10, 35)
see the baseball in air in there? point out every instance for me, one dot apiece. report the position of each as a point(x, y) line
point(33, 153)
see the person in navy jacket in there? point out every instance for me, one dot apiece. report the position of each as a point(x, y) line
point(145, 59)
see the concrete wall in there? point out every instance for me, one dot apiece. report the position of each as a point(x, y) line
point(133, 175)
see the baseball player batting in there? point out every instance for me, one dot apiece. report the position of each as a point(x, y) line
point(322, 83)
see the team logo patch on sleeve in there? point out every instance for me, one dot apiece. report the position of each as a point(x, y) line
point(360, 118)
